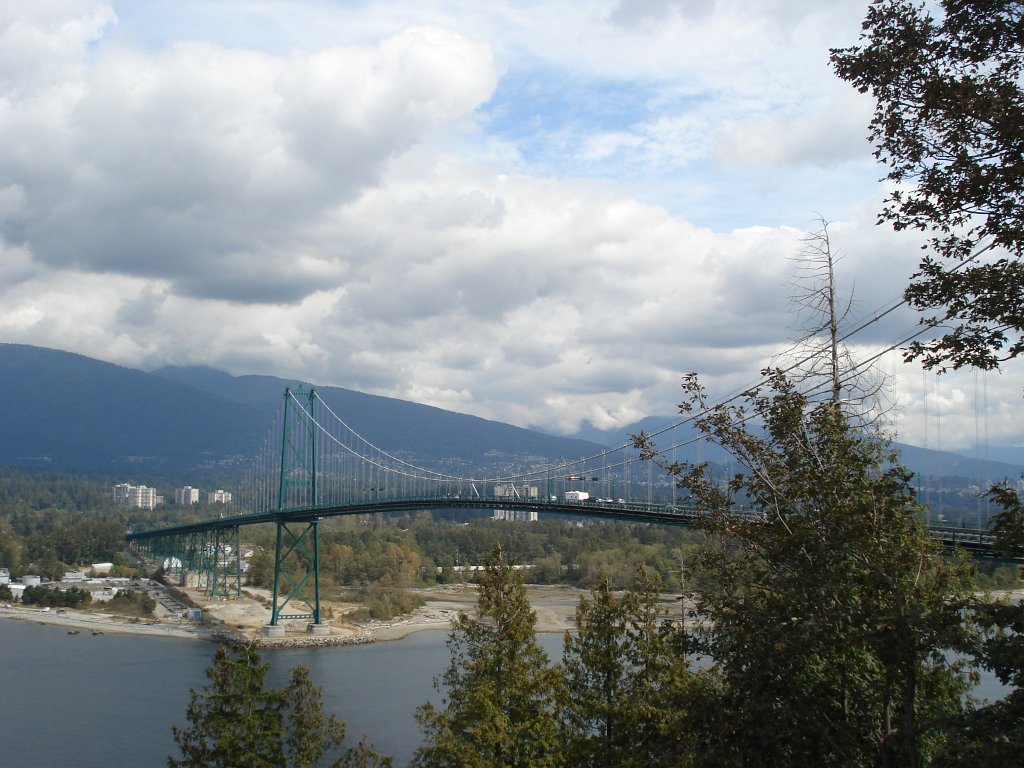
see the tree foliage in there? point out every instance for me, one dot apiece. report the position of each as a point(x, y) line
point(827, 612)
point(72, 597)
point(1008, 523)
point(948, 83)
point(992, 734)
point(623, 680)
point(238, 722)
point(132, 602)
point(499, 692)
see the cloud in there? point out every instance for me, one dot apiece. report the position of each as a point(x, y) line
point(542, 213)
point(824, 136)
point(207, 166)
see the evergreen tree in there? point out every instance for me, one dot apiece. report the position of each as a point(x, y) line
point(828, 612)
point(499, 692)
point(237, 722)
point(623, 680)
point(948, 83)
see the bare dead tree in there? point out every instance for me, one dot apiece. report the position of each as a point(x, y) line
point(819, 360)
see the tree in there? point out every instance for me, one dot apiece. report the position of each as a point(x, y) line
point(949, 95)
point(499, 692)
point(1008, 523)
point(820, 359)
point(237, 722)
point(622, 680)
point(993, 734)
point(826, 611)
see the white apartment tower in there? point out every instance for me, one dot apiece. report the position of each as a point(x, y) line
point(136, 496)
point(218, 497)
point(186, 495)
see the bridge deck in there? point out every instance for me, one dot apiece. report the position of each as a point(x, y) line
point(977, 542)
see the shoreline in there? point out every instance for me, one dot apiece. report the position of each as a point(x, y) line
point(554, 606)
point(105, 623)
point(242, 620)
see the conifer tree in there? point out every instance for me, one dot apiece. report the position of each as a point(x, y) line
point(238, 722)
point(827, 612)
point(499, 692)
point(235, 720)
point(622, 680)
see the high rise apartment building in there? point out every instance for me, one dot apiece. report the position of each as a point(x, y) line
point(186, 495)
point(136, 496)
point(219, 497)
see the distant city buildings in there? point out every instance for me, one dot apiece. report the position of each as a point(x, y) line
point(523, 492)
point(146, 498)
point(218, 497)
point(523, 515)
point(187, 495)
point(136, 496)
point(510, 491)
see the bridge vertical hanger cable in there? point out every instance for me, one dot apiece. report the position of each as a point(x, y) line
point(977, 453)
point(928, 456)
point(988, 479)
point(940, 483)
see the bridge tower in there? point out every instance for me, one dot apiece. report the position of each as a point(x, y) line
point(297, 548)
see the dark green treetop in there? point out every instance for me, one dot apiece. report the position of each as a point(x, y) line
point(623, 679)
point(238, 722)
point(499, 692)
point(826, 611)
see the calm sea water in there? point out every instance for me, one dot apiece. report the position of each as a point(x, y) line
point(109, 700)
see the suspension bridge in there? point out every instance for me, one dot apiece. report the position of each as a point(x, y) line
point(313, 466)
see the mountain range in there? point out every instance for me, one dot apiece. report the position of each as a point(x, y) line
point(66, 412)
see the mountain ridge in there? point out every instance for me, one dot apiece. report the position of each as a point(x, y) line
point(68, 412)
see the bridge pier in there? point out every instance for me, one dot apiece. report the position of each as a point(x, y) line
point(311, 555)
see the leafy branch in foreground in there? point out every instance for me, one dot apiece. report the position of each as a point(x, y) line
point(948, 83)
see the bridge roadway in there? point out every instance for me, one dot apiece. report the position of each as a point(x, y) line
point(629, 511)
point(976, 542)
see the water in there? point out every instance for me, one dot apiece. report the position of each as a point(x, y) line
point(109, 700)
point(97, 701)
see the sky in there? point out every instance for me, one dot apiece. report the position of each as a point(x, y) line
point(543, 213)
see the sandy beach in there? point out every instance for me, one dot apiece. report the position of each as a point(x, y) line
point(243, 618)
point(100, 623)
